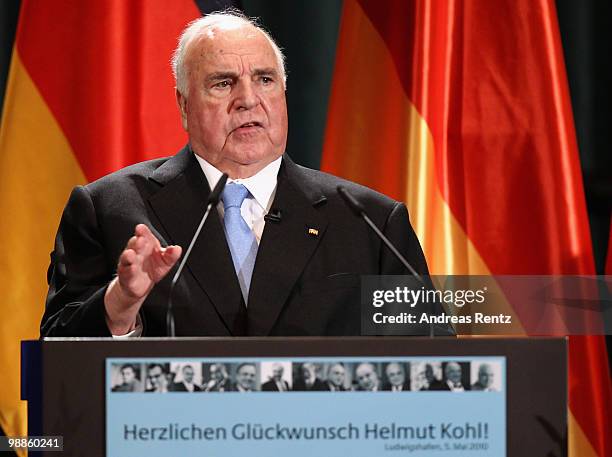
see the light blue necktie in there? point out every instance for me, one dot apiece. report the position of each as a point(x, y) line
point(241, 240)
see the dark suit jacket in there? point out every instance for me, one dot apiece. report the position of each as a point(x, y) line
point(133, 387)
point(405, 386)
point(327, 387)
point(478, 386)
point(318, 385)
point(303, 283)
point(221, 387)
point(270, 386)
point(443, 385)
point(234, 388)
point(180, 387)
point(438, 384)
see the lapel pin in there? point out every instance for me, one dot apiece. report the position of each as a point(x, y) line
point(313, 232)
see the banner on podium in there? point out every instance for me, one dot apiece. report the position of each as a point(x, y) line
point(332, 406)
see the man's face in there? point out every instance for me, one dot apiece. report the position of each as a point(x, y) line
point(485, 376)
point(188, 374)
point(277, 373)
point(336, 375)
point(366, 377)
point(453, 372)
point(429, 373)
point(246, 377)
point(215, 373)
point(156, 375)
point(395, 374)
point(307, 372)
point(128, 375)
point(235, 111)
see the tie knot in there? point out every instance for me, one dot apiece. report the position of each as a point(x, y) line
point(233, 195)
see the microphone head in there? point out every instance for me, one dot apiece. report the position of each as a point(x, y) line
point(351, 201)
point(213, 199)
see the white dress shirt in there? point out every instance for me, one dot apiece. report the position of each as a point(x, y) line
point(262, 189)
point(454, 387)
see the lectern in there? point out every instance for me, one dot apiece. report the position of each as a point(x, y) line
point(330, 396)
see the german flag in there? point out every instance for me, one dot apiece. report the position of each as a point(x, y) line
point(90, 91)
point(461, 109)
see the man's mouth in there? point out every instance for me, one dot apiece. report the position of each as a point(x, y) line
point(248, 126)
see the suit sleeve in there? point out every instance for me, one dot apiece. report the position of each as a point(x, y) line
point(399, 231)
point(401, 234)
point(78, 274)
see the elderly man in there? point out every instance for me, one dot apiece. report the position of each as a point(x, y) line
point(308, 379)
point(367, 377)
point(246, 374)
point(452, 379)
point(396, 378)
point(219, 379)
point(336, 377)
point(485, 378)
point(187, 383)
point(429, 379)
point(280, 255)
point(276, 383)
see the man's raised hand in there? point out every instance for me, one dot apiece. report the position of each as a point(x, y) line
point(142, 264)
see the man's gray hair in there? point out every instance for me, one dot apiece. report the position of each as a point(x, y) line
point(227, 19)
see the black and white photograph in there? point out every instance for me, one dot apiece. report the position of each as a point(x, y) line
point(185, 377)
point(158, 377)
point(456, 377)
point(215, 377)
point(336, 377)
point(486, 376)
point(396, 376)
point(126, 377)
point(367, 377)
point(426, 375)
point(245, 377)
point(276, 376)
point(307, 377)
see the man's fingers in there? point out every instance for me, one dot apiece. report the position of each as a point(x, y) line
point(136, 243)
point(131, 243)
point(166, 257)
point(127, 258)
point(144, 231)
point(171, 254)
point(141, 230)
point(143, 242)
point(144, 258)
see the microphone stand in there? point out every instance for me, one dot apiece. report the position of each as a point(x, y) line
point(359, 211)
point(213, 199)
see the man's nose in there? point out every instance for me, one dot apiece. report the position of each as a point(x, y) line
point(246, 96)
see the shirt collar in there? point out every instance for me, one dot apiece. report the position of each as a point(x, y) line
point(261, 185)
point(453, 386)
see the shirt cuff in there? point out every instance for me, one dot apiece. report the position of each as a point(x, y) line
point(136, 333)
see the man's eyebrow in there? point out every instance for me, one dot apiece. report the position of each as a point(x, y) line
point(219, 75)
point(265, 71)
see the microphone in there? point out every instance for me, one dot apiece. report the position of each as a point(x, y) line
point(213, 199)
point(274, 215)
point(359, 210)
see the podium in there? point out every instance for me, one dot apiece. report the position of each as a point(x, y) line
point(68, 386)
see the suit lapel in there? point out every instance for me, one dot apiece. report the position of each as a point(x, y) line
point(179, 205)
point(285, 246)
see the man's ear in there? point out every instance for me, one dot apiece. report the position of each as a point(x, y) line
point(181, 100)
